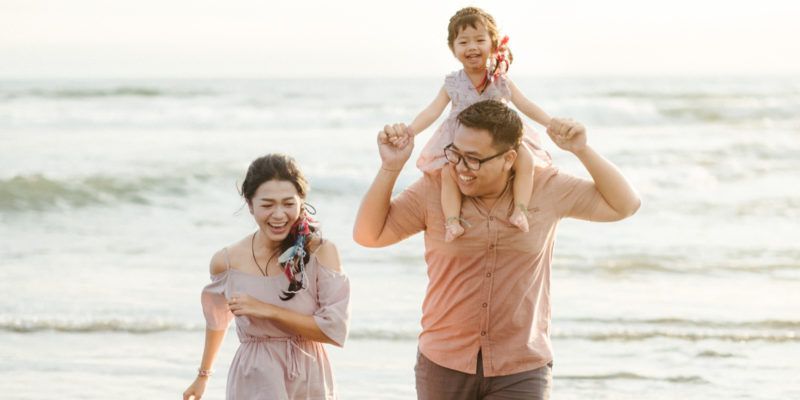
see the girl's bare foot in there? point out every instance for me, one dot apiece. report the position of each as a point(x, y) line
point(452, 229)
point(519, 218)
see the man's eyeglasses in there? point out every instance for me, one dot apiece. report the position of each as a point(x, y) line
point(472, 163)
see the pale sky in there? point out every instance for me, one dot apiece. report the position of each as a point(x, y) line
point(272, 39)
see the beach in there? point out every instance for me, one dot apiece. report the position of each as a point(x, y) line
point(114, 194)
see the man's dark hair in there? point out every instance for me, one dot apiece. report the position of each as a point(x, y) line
point(503, 123)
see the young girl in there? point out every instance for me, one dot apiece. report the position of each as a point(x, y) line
point(284, 286)
point(474, 40)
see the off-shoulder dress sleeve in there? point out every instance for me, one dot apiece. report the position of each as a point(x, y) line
point(215, 304)
point(333, 296)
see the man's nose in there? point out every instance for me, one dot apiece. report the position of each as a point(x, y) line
point(461, 166)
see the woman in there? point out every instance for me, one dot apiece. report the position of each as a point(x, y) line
point(284, 286)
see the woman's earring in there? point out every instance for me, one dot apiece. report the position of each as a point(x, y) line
point(309, 209)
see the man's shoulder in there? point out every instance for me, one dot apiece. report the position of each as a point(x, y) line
point(551, 180)
point(546, 174)
point(423, 188)
point(429, 182)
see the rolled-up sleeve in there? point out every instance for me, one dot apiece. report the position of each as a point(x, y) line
point(574, 197)
point(408, 210)
point(215, 305)
point(333, 296)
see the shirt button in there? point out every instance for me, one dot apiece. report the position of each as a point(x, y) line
point(491, 218)
point(485, 305)
point(488, 274)
point(483, 333)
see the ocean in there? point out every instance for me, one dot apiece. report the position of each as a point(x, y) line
point(115, 194)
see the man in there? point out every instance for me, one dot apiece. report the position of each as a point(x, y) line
point(486, 313)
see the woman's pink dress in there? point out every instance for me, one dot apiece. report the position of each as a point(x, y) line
point(271, 362)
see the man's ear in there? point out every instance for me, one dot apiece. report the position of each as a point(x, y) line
point(508, 160)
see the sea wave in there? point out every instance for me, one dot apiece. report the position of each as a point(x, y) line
point(141, 326)
point(634, 111)
point(33, 325)
point(708, 95)
point(689, 336)
point(288, 104)
point(634, 376)
point(714, 354)
point(38, 192)
point(623, 264)
point(694, 323)
point(78, 93)
point(145, 325)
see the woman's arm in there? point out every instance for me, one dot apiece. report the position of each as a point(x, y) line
point(213, 342)
point(214, 338)
point(211, 349)
point(527, 107)
point(300, 324)
point(427, 116)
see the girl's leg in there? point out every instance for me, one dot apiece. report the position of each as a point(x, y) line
point(451, 205)
point(523, 186)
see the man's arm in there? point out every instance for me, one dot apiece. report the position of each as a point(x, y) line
point(370, 226)
point(620, 200)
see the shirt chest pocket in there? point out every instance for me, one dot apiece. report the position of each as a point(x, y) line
point(531, 242)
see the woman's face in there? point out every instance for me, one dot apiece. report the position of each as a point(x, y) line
point(276, 206)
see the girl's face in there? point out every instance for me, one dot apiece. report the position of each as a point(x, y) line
point(276, 207)
point(472, 47)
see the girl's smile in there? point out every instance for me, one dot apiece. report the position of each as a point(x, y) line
point(472, 47)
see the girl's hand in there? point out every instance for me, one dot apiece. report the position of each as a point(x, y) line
point(196, 389)
point(567, 134)
point(398, 139)
point(242, 304)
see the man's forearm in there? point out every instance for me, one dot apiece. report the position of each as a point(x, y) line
point(610, 182)
point(371, 218)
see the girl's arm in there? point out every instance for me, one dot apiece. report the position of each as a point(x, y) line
point(527, 107)
point(301, 324)
point(430, 113)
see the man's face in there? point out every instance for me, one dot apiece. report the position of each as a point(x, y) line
point(491, 178)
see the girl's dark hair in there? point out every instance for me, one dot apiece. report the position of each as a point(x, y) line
point(283, 168)
point(472, 16)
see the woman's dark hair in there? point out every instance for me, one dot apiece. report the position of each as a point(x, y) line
point(281, 167)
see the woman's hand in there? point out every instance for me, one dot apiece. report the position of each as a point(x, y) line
point(196, 389)
point(242, 304)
